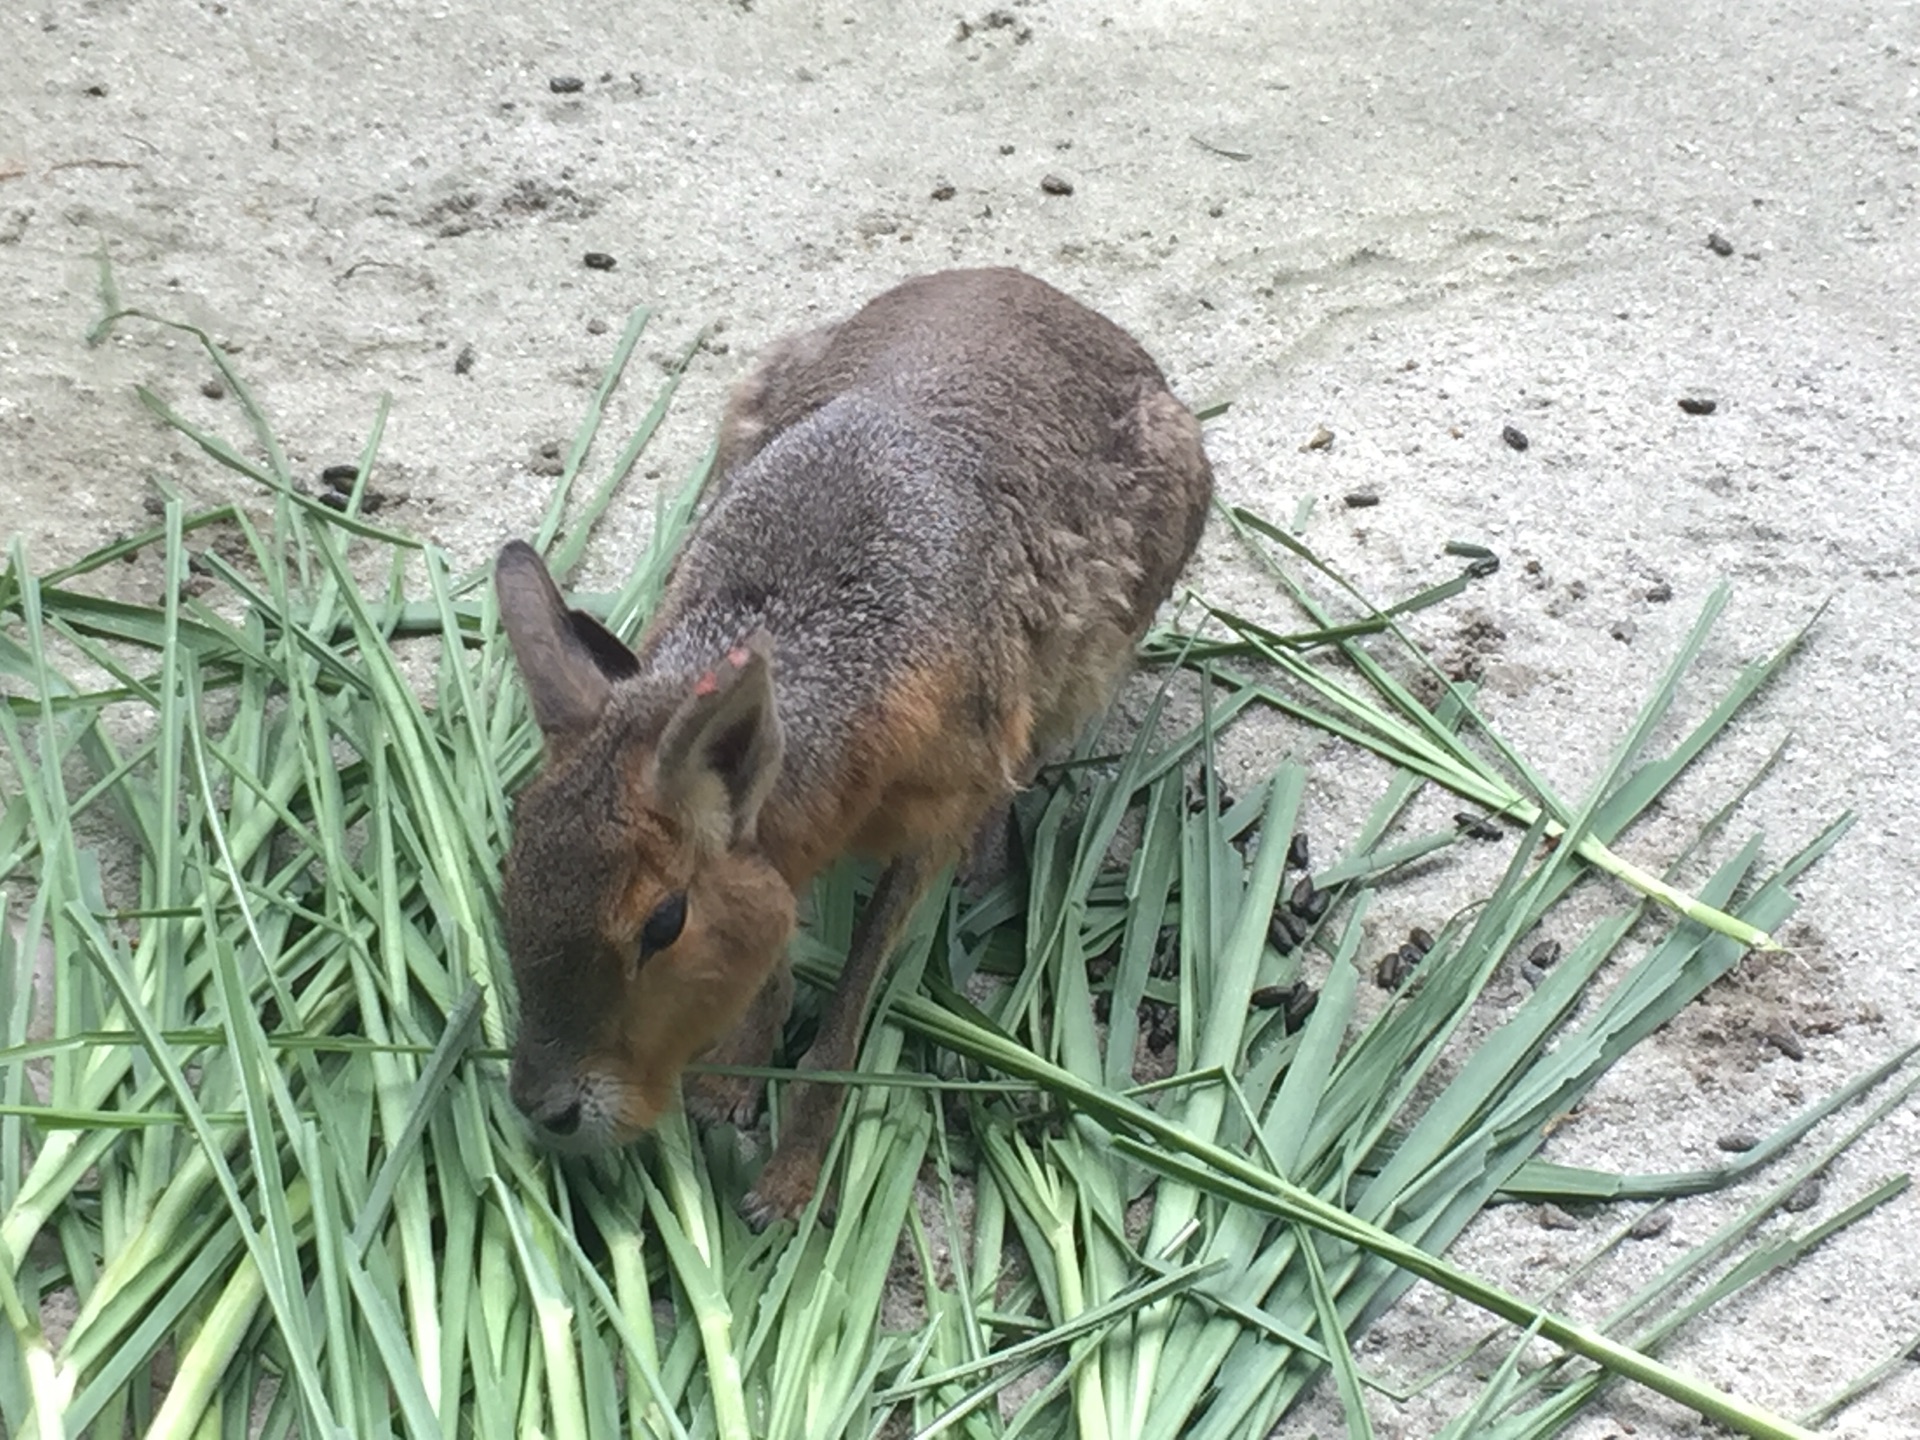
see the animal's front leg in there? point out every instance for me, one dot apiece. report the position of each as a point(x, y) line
point(735, 1099)
point(811, 1111)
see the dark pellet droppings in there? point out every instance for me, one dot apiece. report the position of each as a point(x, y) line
point(1697, 405)
point(1719, 244)
point(1515, 437)
point(1286, 932)
point(1307, 902)
point(1056, 185)
point(598, 260)
point(1297, 852)
point(1421, 939)
point(1738, 1142)
point(1474, 827)
point(1362, 499)
point(566, 84)
point(340, 477)
point(1394, 968)
point(1299, 1007)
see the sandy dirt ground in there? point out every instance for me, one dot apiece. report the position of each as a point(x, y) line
point(1414, 224)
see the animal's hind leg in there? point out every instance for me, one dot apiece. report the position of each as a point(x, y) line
point(811, 1112)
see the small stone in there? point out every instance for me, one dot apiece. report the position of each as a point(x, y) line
point(598, 260)
point(1651, 1225)
point(213, 389)
point(1006, 149)
point(1805, 1195)
point(1737, 1142)
point(1696, 405)
point(1515, 437)
point(1719, 244)
point(1545, 955)
point(1056, 185)
point(1660, 592)
point(1623, 631)
point(566, 84)
point(1362, 499)
point(1321, 439)
point(98, 92)
point(1783, 1039)
point(463, 362)
point(944, 191)
point(1552, 1217)
point(596, 326)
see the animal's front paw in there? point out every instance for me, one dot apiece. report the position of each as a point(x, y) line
point(785, 1187)
point(724, 1099)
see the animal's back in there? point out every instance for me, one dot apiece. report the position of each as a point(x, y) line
point(955, 512)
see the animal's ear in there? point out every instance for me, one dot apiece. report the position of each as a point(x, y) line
point(720, 753)
point(568, 661)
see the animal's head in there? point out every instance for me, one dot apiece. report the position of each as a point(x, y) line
point(641, 914)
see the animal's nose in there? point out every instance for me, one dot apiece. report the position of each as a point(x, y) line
point(562, 1117)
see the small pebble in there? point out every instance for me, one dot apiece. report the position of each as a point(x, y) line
point(598, 260)
point(1362, 499)
point(566, 84)
point(1719, 244)
point(1694, 405)
point(1056, 185)
point(1552, 1217)
point(1321, 439)
point(1805, 1195)
point(1738, 1142)
point(1652, 1224)
point(1545, 955)
point(463, 362)
point(1006, 149)
point(1786, 1042)
point(944, 191)
point(1660, 593)
point(596, 326)
point(213, 389)
point(1515, 437)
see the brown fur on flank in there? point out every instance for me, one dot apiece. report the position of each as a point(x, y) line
point(938, 530)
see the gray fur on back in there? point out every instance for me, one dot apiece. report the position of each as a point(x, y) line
point(973, 465)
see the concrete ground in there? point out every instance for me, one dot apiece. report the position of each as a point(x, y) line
point(1412, 224)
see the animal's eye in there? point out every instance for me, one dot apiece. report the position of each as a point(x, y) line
point(664, 924)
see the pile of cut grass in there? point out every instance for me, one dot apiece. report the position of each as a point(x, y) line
point(263, 1169)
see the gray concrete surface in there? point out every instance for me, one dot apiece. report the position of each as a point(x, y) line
point(1411, 223)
